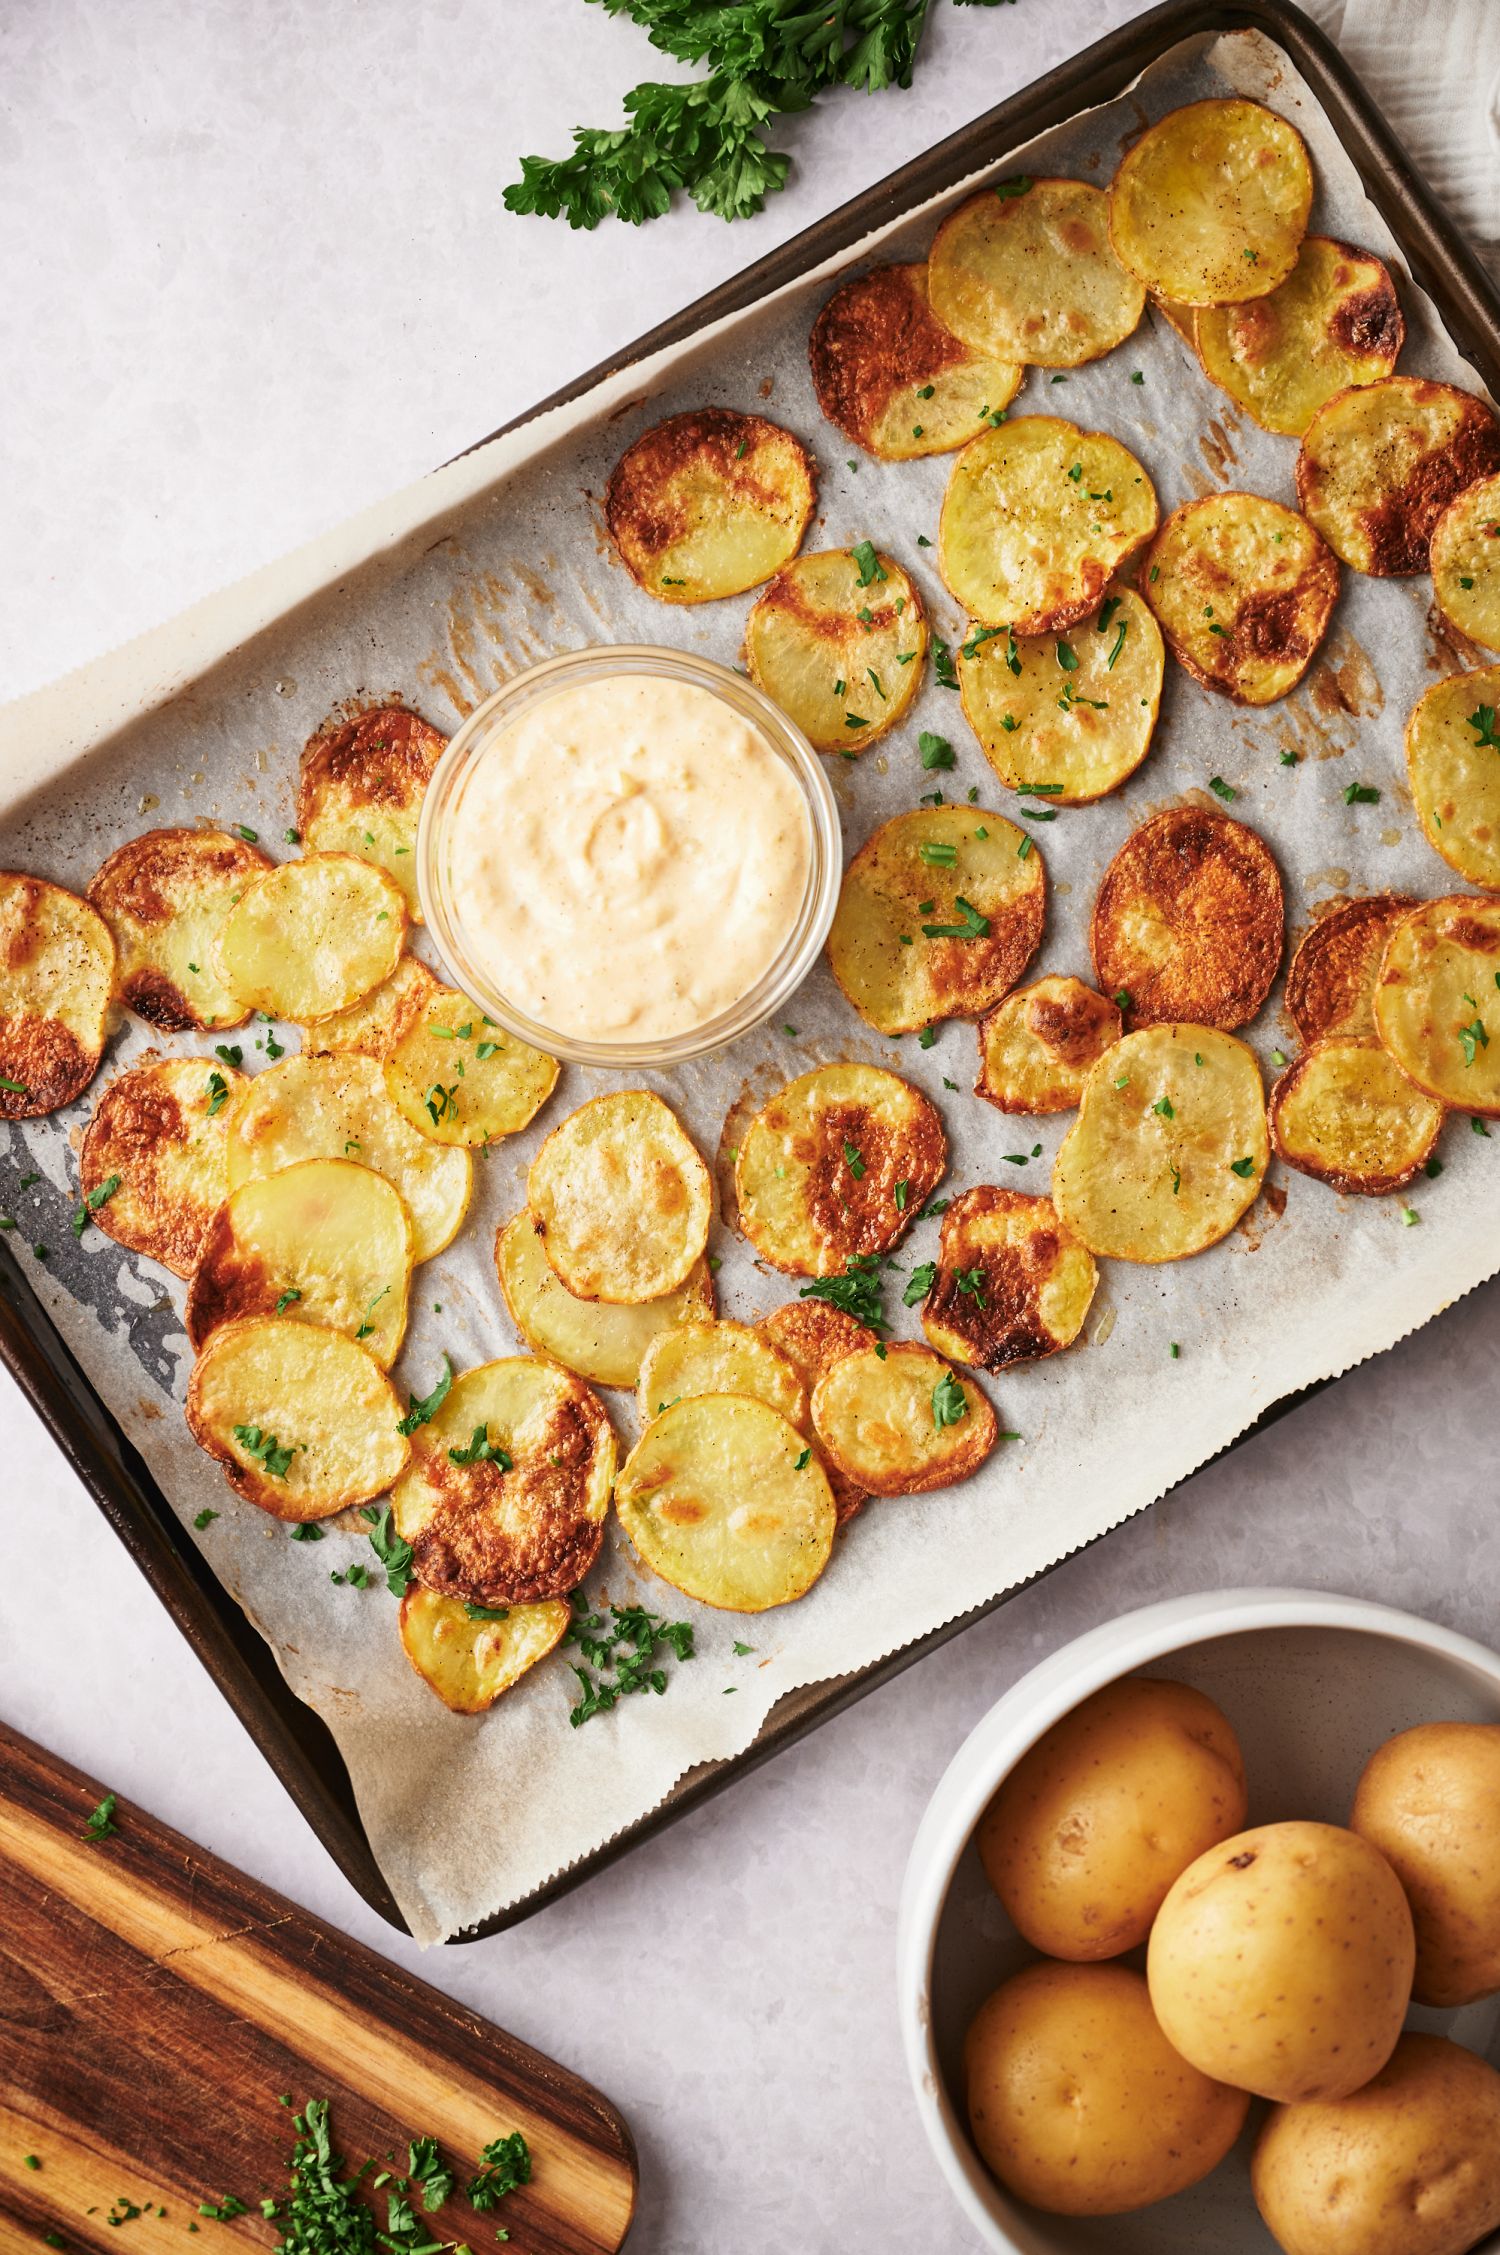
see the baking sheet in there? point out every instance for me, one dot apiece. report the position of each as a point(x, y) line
point(501, 559)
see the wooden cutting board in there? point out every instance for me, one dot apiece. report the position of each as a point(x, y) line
point(154, 2003)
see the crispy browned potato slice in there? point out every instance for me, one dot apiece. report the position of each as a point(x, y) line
point(1012, 1282)
point(718, 1358)
point(1334, 321)
point(838, 639)
point(898, 1420)
point(1210, 206)
point(1067, 720)
point(1453, 760)
point(1036, 1047)
point(1189, 922)
point(372, 1026)
point(893, 378)
point(1028, 273)
point(1380, 463)
point(153, 1163)
point(709, 503)
point(469, 1654)
point(1345, 1113)
point(164, 896)
point(600, 1341)
point(1465, 557)
point(621, 1199)
point(504, 1500)
point(1038, 517)
point(1244, 590)
point(837, 1163)
point(1437, 1000)
point(308, 938)
point(360, 790)
point(303, 1421)
point(459, 1078)
point(57, 975)
point(812, 1335)
point(1330, 988)
point(939, 915)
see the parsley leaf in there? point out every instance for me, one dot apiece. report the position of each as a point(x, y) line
point(421, 1408)
point(481, 1450)
point(936, 751)
point(1482, 721)
point(919, 1283)
point(505, 2163)
point(857, 1292)
point(266, 1450)
point(100, 1823)
point(627, 1647)
point(393, 1551)
point(948, 1402)
point(868, 564)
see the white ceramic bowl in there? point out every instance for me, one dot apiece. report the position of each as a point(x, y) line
point(1312, 1684)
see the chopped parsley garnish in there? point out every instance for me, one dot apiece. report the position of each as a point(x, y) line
point(218, 1094)
point(473, 1612)
point(1361, 794)
point(1221, 789)
point(856, 1292)
point(1410, 1216)
point(803, 1461)
point(481, 1450)
point(868, 563)
point(1023, 849)
point(293, 837)
point(440, 1101)
point(1163, 1105)
point(94, 1200)
point(948, 1401)
point(426, 2167)
point(1474, 1038)
point(855, 720)
point(919, 1283)
point(204, 1518)
point(1067, 657)
point(927, 1037)
point(100, 1823)
point(505, 2163)
point(16, 1088)
point(1482, 721)
point(901, 1193)
point(264, 1449)
point(1478, 1125)
point(936, 751)
point(421, 1408)
point(1244, 1168)
point(1136, 376)
point(305, 1531)
point(286, 1298)
point(978, 636)
point(973, 927)
point(627, 1647)
point(393, 1551)
point(1005, 189)
point(970, 1281)
point(853, 1161)
point(1289, 759)
point(1120, 633)
point(251, 837)
point(942, 665)
point(231, 1052)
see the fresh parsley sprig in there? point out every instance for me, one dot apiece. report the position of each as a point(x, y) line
point(626, 1646)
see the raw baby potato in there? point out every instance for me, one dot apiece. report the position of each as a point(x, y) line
point(1345, 1113)
point(899, 1420)
point(1036, 1047)
point(1465, 558)
point(361, 786)
point(838, 640)
point(1281, 1961)
point(709, 503)
point(811, 1335)
point(1437, 1000)
point(469, 1661)
point(1025, 270)
point(893, 378)
point(1429, 1800)
point(1380, 464)
point(622, 1199)
point(303, 1421)
point(1210, 206)
point(838, 1163)
point(1189, 921)
point(461, 1080)
point(1079, 2104)
point(1334, 321)
point(57, 976)
point(1330, 988)
point(1453, 761)
point(372, 1026)
point(718, 1358)
point(1067, 721)
point(164, 896)
point(1244, 590)
point(308, 938)
point(153, 1168)
point(601, 1341)
point(1011, 1282)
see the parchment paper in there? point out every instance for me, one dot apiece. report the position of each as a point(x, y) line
point(501, 559)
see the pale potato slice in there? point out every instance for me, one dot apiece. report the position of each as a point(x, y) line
point(153, 1165)
point(1437, 1000)
point(1244, 590)
point(164, 896)
point(1182, 318)
point(310, 937)
point(1189, 921)
point(1026, 271)
point(461, 1079)
point(1037, 518)
point(811, 1334)
point(838, 640)
point(939, 914)
point(1036, 1047)
point(1334, 321)
point(709, 503)
point(602, 1342)
point(1330, 988)
point(837, 1164)
point(1067, 720)
point(1345, 1113)
point(303, 1421)
point(1465, 558)
point(1169, 1147)
point(57, 976)
point(1012, 1282)
point(504, 1499)
point(372, 1026)
point(360, 789)
point(726, 1501)
point(1453, 760)
point(313, 1107)
point(469, 1654)
point(1210, 206)
point(621, 1199)
point(718, 1358)
point(892, 378)
point(325, 1241)
point(898, 1420)
point(1380, 463)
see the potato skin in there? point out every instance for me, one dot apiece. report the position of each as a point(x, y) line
point(1429, 1800)
point(1410, 2165)
point(1094, 1823)
point(1079, 2104)
point(1282, 1961)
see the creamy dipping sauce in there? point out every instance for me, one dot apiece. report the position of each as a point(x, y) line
point(628, 858)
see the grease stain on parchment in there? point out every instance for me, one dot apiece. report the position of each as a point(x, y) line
point(494, 625)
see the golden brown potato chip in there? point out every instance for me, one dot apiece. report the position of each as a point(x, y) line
point(1380, 463)
point(1465, 558)
point(469, 1654)
point(621, 1198)
point(1067, 721)
point(304, 1422)
point(718, 1358)
point(310, 937)
point(838, 640)
point(893, 378)
point(57, 975)
point(1038, 517)
point(1210, 206)
point(1036, 1047)
point(1188, 922)
point(1011, 1282)
point(709, 503)
point(1330, 988)
point(1244, 590)
point(1453, 760)
point(164, 896)
point(898, 1420)
point(360, 790)
point(1437, 1000)
point(461, 1079)
point(812, 1335)
point(1334, 321)
point(1027, 272)
point(153, 1164)
point(837, 1163)
point(1182, 318)
point(372, 1026)
point(602, 1342)
point(1345, 1113)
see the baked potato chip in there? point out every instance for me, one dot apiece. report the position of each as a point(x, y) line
point(1330, 988)
point(467, 1660)
point(1465, 559)
point(838, 640)
point(719, 1358)
point(1037, 518)
point(811, 1334)
point(602, 1342)
point(153, 1167)
point(1379, 464)
point(1453, 760)
point(1069, 720)
point(1182, 318)
point(1188, 923)
point(837, 1163)
point(164, 897)
point(1036, 1047)
point(57, 976)
point(621, 1199)
point(1210, 206)
point(892, 378)
point(709, 503)
point(726, 1501)
point(360, 790)
point(1334, 321)
point(939, 914)
point(897, 1420)
point(325, 1241)
point(1030, 274)
point(1169, 1147)
point(372, 1026)
point(1244, 590)
point(1012, 1283)
point(503, 1501)
point(1437, 1000)
point(313, 1107)
point(303, 1421)
point(461, 1079)
point(1345, 1113)
point(310, 937)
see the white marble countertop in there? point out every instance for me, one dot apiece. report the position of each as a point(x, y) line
point(258, 273)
